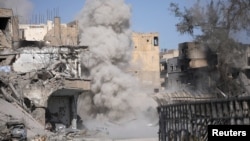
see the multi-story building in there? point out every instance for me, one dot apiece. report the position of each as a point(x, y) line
point(185, 67)
point(165, 56)
point(53, 33)
point(145, 58)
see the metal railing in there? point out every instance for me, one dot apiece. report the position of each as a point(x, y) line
point(188, 121)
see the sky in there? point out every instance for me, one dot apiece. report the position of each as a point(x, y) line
point(147, 16)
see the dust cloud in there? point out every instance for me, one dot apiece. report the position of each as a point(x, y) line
point(21, 8)
point(117, 100)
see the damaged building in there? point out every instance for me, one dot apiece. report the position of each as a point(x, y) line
point(46, 82)
point(145, 59)
point(42, 81)
point(187, 74)
point(185, 68)
point(193, 62)
point(209, 89)
point(196, 71)
point(53, 33)
point(165, 55)
point(8, 28)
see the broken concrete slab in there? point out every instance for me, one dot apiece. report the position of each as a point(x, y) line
point(16, 94)
point(6, 95)
point(17, 112)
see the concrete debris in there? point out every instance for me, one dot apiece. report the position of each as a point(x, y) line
point(26, 90)
point(17, 130)
point(7, 59)
point(15, 93)
point(39, 138)
point(16, 114)
point(13, 129)
point(41, 80)
point(6, 95)
point(60, 127)
point(5, 68)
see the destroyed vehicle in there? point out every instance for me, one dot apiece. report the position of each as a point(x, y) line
point(17, 130)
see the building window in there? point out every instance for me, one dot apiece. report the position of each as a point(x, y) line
point(247, 73)
point(165, 66)
point(183, 51)
point(156, 41)
point(182, 68)
point(172, 68)
point(156, 90)
point(4, 23)
point(248, 61)
point(147, 40)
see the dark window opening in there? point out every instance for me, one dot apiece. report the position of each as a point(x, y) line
point(165, 66)
point(235, 74)
point(3, 23)
point(248, 61)
point(147, 40)
point(33, 81)
point(156, 42)
point(59, 110)
point(156, 90)
point(29, 104)
point(60, 67)
point(183, 51)
point(172, 68)
point(182, 68)
point(2, 59)
point(247, 73)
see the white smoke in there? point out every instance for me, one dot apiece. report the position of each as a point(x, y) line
point(21, 8)
point(105, 28)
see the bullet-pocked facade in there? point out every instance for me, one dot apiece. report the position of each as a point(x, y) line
point(145, 58)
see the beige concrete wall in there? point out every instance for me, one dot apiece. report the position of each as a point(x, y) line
point(68, 36)
point(15, 28)
point(77, 84)
point(198, 63)
point(195, 52)
point(34, 32)
point(170, 54)
point(57, 28)
point(145, 58)
point(6, 12)
point(54, 34)
point(192, 50)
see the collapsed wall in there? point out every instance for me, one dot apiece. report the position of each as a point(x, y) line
point(36, 78)
point(8, 28)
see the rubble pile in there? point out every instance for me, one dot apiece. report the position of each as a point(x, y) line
point(27, 88)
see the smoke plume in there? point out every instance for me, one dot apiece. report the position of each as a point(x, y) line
point(21, 8)
point(116, 95)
